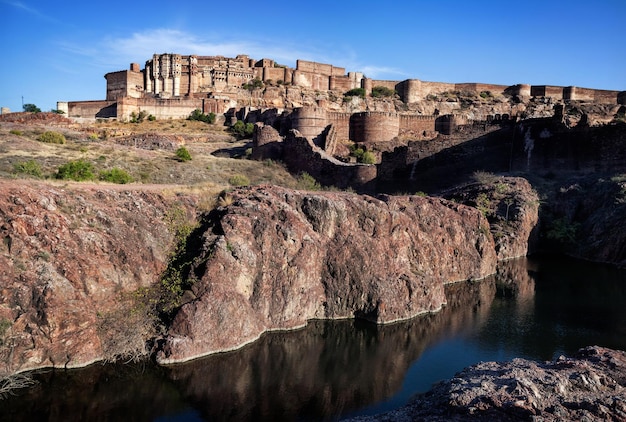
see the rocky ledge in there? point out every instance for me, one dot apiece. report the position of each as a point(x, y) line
point(589, 386)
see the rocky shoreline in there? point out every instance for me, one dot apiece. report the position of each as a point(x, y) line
point(589, 386)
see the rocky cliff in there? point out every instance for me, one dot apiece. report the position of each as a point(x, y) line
point(82, 265)
point(276, 258)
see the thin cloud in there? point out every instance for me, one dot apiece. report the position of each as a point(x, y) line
point(376, 72)
point(142, 45)
point(114, 53)
point(21, 6)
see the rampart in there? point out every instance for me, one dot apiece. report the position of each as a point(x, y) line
point(301, 155)
point(368, 127)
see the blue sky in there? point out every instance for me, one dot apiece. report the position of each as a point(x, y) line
point(60, 50)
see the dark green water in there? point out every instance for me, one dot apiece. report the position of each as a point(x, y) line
point(536, 309)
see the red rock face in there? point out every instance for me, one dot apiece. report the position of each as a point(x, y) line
point(66, 256)
point(276, 258)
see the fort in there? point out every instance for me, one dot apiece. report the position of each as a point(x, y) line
point(173, 85)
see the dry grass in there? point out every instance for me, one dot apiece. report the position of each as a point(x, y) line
point(96, 143)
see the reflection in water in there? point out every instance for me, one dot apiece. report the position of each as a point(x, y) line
point(331, 368)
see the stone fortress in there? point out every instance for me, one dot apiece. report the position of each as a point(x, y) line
point(173, 85)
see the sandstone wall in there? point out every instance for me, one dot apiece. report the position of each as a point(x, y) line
point(555, 92)
point(310, 122)
point(161, 108)
point(341, 124)
point(417, 123)
point(302, 155)
point(126, 83)
point(477, 88)
point(92, 109)
point(368, 127)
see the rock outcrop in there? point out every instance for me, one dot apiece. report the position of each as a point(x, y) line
point(276, 258)
point(588, 386)
point(66, 255)
point(511, 206)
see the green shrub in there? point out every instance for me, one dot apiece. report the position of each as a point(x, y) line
point(151, 118)
point(308, 182)
point(183, 154)
point(78, 170)
point(16, 132)
point(138, 117)
point(116, 175)
point(30, 167)
point(356, 92)
point(368, 158)
point(382, 91)
point(197, 114)
point(242, 130)
point(563, 231)
point(239, 180)
point(253, 84)
point(51, 137)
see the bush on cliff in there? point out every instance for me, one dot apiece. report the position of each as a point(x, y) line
point(51, 137)
point(78, 170)
point(356, 92)
point(382, 92)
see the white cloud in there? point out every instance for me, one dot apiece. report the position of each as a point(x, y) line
point(115, 53)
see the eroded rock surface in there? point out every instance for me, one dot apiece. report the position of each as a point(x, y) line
point(511, 207)
point(276, 258)
point(589, 386)
point(66, 256)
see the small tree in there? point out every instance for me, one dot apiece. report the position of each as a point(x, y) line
point(197, 114)
point(31, 108)
point(183, 154)
point(242, 130)
point(30, 168)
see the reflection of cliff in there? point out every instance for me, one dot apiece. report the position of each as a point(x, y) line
point(327, 368)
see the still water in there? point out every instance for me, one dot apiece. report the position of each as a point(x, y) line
point(535, 308)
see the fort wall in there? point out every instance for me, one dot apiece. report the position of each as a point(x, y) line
point(310, 122)
point(301, 155)
point(477, 88)
point(368, 127)
point(417, 123)
point(555, 92)
point(341, 124)
point(125, 83)
point(161, 108)
point(92, 109)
